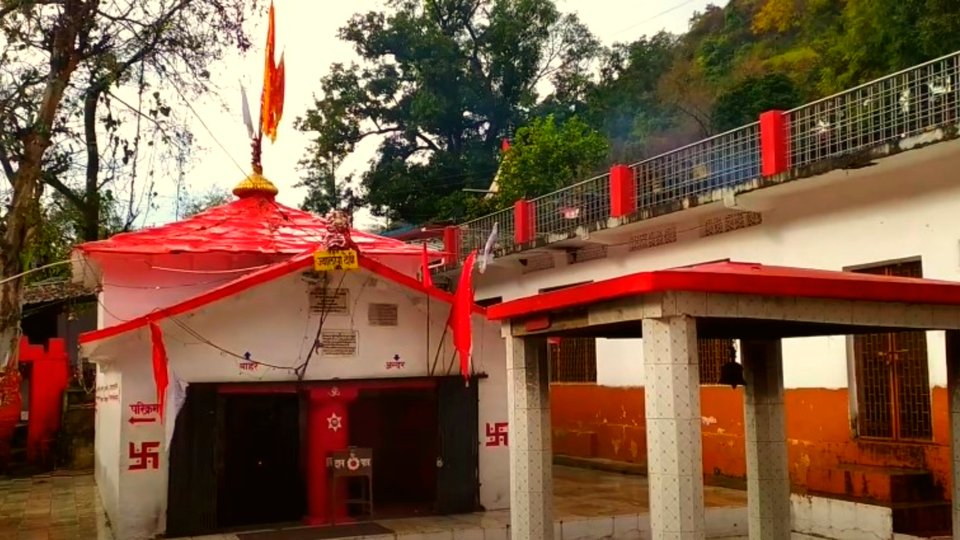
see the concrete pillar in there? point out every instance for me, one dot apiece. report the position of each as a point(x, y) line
point(768, 479)
point(531, 459)
point(953, 393)
point(674, 447)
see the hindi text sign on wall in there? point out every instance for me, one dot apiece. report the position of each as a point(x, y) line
point(383, 314)
point(351, 462)
point(325, 300)
point(339, 342)
point(328, 261)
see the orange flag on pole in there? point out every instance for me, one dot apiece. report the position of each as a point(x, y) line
point(160, 376)
point(460, 315)
point(271, 98)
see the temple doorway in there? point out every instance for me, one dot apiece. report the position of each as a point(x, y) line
point(259, 477)
point(400, 426)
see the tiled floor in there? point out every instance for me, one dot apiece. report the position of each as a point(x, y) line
point(66, 507)
point(52, 507)
point(590, 493)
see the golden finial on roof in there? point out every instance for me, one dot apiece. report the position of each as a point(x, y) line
point(255, 184)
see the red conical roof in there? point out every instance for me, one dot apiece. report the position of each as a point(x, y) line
point(254, 223)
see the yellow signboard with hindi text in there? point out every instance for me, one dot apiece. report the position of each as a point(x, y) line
point(328, 261)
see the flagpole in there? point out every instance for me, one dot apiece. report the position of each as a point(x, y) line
point(426, 269)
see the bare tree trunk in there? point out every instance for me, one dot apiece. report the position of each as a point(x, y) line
point(21, 219)
point(90, 211)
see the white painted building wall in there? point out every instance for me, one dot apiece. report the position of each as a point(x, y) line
point(274, 324)
point(906, 206)
point(134, 285)
point(107, 429)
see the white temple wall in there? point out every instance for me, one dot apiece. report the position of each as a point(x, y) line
point(136, 285)
point(274, 324)
point(107, 429)
point(494, 461)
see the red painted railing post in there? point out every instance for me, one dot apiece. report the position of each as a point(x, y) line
point(524, 222)
point(623, 191)
point(774, 142)
point(451, 244)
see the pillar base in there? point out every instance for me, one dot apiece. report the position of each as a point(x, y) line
point(324, 520)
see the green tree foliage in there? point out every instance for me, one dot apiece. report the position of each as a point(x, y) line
point(440, 83)
point(881, 36)
point(624, 105)
point(443, 80)
point(325, 192)
point(547, 156)
point(60, 229)
point(743, 103)
point(193, 204)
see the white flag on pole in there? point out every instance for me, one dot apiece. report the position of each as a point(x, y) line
point(247, 118)
point(173, 401)
point(487, 256)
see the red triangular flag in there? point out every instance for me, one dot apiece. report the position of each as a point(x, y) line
point(160, 376)
point(425, 268)
point(461, 312)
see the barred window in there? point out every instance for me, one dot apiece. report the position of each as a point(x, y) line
point(573, 360)
point(714, 353)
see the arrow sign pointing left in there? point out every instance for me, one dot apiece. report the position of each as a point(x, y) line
point(142, 420)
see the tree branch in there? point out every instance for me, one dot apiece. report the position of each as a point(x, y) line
point(13, 5)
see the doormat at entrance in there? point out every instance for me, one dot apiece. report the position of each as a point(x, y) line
point(318, 533)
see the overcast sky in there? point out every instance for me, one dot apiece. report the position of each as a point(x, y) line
point(307, 33)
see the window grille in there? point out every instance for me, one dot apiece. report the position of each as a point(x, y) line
point(714, 353)
point(573, 360)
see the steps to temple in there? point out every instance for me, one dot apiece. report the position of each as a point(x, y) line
point(917, 503)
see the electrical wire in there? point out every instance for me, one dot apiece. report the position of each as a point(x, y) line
point(228, 352)
point(228, 271)
point(209, 131)
point(657, 16)
point(33, 270)
point(164, 287)
point(301, 370)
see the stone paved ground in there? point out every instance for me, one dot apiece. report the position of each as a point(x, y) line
point(59, 506)
point(65, 506)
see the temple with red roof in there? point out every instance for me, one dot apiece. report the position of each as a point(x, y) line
point(281, 389)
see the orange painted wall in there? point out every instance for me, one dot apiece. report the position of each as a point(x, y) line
point(607, 422)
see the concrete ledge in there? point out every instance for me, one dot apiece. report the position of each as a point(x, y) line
point(814, 518)
point(599, 464)
point(821, 517)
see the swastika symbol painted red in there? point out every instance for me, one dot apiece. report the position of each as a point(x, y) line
point(146, 457)
point(497, 434)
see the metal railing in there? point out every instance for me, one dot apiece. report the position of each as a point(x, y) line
point(561, 214)
point(474, 234)
point(899, 105)
point(888, 109)
point(692, 174)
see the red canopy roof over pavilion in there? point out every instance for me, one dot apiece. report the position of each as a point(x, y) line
point(254, 223)
point(738, 278)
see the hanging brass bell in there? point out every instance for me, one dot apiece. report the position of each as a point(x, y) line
point(732, 373)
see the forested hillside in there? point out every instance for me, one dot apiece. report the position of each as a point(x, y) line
point(442, 82)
